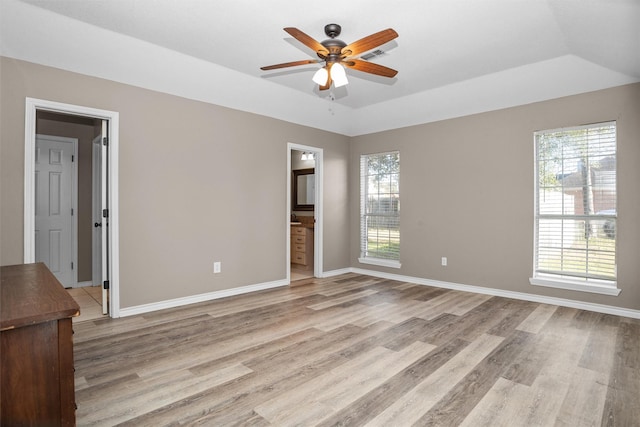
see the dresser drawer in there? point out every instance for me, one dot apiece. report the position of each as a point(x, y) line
point(298, 240)
point(298, 247)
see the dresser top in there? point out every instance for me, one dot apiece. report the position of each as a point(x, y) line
point(31, 294)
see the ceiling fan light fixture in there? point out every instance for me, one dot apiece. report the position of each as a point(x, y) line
point(321, 76)
point(338, 75)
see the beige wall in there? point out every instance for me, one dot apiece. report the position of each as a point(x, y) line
point(190, 194)
point(467, 193)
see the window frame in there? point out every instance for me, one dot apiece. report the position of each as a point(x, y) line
point(566, 281)
point(364, 257)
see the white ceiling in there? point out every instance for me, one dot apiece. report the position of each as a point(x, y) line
point(454, 57)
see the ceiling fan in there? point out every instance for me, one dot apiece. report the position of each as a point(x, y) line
point(336, 54)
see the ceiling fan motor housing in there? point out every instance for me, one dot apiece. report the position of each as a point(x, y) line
point(334, 46)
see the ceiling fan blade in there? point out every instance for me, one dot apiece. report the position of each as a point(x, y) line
point(307, 40)
point(370, 67)
point(369, 42)
point(289, 64)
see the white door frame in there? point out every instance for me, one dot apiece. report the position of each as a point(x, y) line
point(32, 105)
point(318, 267)
point(96, 211)
point(74, 202)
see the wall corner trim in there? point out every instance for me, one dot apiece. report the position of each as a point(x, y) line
point(333, 273)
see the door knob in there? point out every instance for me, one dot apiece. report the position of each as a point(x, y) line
point(97, 224)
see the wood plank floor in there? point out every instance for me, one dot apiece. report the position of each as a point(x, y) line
point(358, 350)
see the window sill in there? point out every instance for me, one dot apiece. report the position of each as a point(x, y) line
point(593, 286)
point(381, 262)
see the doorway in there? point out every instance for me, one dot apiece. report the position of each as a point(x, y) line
point(106, 126)
point(304, 217)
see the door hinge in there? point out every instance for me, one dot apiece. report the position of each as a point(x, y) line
point(72, 158)
point(71, 211)
point(105, 284)
point(72, 265)
point(105, 213)
point(105, 141)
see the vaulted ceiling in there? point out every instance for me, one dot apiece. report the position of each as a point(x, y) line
point(454, 57)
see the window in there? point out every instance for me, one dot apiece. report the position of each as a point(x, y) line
point(380, 209)
point(575, 218)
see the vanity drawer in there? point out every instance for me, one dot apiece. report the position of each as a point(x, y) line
point(300, 258)
point(298, 231)
point(302, 246)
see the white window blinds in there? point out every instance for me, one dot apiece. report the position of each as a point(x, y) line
point(575, 224)
point(380, 207)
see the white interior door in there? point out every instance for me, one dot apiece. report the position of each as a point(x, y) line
point(55, 207)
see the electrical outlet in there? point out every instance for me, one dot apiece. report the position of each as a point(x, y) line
point(217, 267)
point(444, 261)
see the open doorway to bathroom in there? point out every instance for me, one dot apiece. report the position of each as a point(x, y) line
point(305, 213)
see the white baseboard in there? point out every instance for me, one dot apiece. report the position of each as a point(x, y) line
point(599, 308)
point(177, 302)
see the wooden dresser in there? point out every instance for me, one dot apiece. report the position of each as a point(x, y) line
point(36, 373)
point(302, 246)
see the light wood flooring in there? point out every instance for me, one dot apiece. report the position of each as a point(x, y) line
point(298, 273)
point(358, 350)
point(89, 298)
